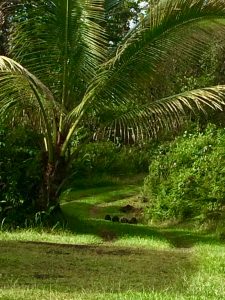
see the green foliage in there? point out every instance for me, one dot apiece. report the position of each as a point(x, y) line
point(201, 71)
point(118, 18)
point(186, 179)
point(20, 172)
point(112, 159)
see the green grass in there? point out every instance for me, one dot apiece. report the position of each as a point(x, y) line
point(98, 259)
point(50, 236)
point(33, 270)
point(85, 210)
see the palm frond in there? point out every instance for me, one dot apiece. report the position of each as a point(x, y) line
point(176, 26)
point(62, 43)
point(137, 121)
point(21, 93)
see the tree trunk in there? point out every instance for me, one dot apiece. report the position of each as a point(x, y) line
point(53, 177)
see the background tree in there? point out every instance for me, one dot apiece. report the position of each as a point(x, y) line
point(61, 77)
point(120, 18)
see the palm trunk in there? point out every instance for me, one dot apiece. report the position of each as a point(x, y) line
point(53, 177)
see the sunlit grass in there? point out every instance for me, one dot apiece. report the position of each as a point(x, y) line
point(142, 242)
point(99, 195)
point(60, 237)
point(66, 237)
point(36, 294)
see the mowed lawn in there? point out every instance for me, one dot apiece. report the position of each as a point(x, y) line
point(112, 261)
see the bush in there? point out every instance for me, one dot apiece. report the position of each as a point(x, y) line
point(186, 178)
point(108, 158)
point(20, 173)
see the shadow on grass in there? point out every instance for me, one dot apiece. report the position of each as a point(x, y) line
point(93, 268)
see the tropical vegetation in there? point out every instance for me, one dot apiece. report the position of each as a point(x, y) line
point(185, 178)
point(63, 77)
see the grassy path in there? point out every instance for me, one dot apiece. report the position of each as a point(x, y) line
point(85, 212)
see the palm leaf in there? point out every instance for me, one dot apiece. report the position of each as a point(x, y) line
point(166, 31)
point(172, 26)
point(22, 93)
point(62, 43)
point(139, 122)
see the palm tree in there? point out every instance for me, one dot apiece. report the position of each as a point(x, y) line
point(61, 75)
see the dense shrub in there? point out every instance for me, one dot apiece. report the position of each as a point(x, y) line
point(109, 158)
point(20, 173)
point(187, 177)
